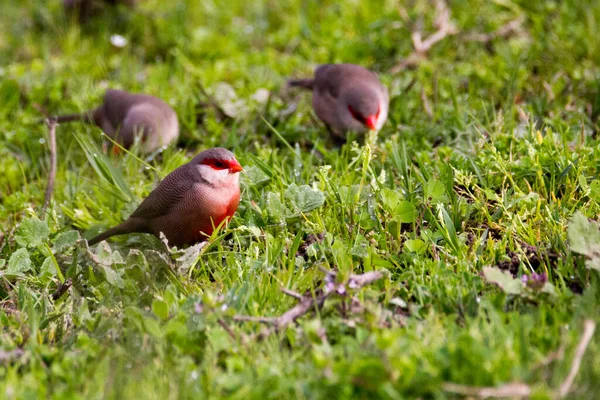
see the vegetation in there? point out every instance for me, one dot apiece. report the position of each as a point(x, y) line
point(470, 201)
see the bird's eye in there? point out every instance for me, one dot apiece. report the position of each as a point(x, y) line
point(220, 164)
point(356, 115)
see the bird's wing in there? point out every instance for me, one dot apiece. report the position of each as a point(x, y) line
point(331, 78)
point(169, 192)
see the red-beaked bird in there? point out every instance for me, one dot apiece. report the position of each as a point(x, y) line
point(123, 116)
point(347, 97)
point(189, 203)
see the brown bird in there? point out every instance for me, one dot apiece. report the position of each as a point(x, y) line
point(85, 9)
point(123, 116)
point(347, 97)
point(189, 203)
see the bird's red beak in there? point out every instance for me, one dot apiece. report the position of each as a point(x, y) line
point(371, 122)
point(234, 167)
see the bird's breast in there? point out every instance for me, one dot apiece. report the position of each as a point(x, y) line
point(209, 209)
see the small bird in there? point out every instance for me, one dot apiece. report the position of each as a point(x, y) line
point(123, 116)
point(189, 203)
point(347, 97)
point(85, 9)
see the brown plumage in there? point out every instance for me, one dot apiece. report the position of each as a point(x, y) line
point(347, 97)
point(85, 9)
point(123, 116)
point(189, 203)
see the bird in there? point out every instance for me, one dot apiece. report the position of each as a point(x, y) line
point(347, 97)
point(86, 9)
point(189, 203)
point(123, 116)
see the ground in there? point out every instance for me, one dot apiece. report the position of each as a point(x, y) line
point(476, 204)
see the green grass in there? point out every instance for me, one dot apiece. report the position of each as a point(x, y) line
point(504, 159)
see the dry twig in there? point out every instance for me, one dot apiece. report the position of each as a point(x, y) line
point(517, 389)
point(51, 123)
point(509, 390)
point(589, 327)
point(513, 27)
point(62, 289)
point(445, 27)
point(308, 302)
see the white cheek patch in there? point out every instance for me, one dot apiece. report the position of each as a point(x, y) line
point(383, 113)
point(212, 175)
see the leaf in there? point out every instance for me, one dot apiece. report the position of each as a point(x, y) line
point(189, 257)
point(65, 240)
point(415, 246)
point(584, 238)
point(136, 258)
point(105, 169)
point(276, 209)
point(595, 190)
point(160, 309)
point(19, 262)
point(255, 176)
point(390, 199)
point(48, 268)
point(152, 327)
point(405, 212)
point(303, 198)
point(435, 190)
point(112, 277)
point(393, 202)
point(360, 248)
point(32, 232)
point(504, 280)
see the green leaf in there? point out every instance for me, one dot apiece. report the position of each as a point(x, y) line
point(152, 327)
point(303, 198)
point(65, 240)
point(189, 257)
point(255, 176)
point(435, 191)
point(112, 277)
point(595, 190)
point(32, 232)
point(415, 246)
point(341, 255)
point(48, 269)
point(390, 199)
point(160, 309)
point(405, 212)
point(360, 248)
point(584, 238)
point(276, 209)
point(504, 280)
point(19, 262)
point(105, 169)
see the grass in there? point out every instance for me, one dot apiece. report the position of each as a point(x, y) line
point(487, 180)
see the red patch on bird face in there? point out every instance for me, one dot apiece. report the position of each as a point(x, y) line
point(370, 121)
point(219, 164)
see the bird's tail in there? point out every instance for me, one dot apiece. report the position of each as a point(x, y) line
point(87, 117)
point(303, 83)
point(128, 226)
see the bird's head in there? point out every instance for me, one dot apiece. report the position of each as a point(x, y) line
point(364, 105)
point(218, 166)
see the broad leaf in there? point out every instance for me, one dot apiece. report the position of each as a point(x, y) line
point(504, 280)
point(303, 198)
point(32, 232)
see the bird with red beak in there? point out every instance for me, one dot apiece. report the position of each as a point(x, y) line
point(347, 97)
point(189, 203)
